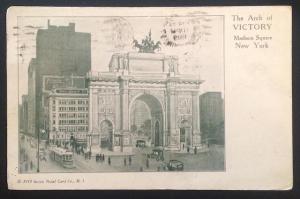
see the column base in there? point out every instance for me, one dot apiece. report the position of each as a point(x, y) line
point(116, 148)
point(126, 146)
point(172, 148)
point(200, 148)
point(127, 149)
point(95, 150)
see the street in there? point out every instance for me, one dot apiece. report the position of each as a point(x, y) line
point(207, 161)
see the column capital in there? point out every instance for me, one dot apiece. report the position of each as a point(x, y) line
point(195, 93)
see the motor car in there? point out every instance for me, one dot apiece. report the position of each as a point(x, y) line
point(157, 154)
point(140, 143)
point(175, 165)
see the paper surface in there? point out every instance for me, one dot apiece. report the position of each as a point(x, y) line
point(149, 98)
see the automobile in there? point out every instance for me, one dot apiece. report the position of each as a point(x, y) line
point(175, 165)
point(140, 143)
point(157, 154)
point(164, 166)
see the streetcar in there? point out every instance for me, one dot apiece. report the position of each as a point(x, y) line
point(62, 157)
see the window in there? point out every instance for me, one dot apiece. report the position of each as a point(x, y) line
point(72, 102)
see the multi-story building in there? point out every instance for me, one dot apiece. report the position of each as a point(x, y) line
point(212, 117)
point(68, 115)
point(24, 115)
point(60, 51)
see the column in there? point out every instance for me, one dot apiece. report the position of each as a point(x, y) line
point(96, 130)
point(196, 137)
point(95, 113)
point(118, 121)
point(126, 137)
point(95, 137)
point(124, 102)
point(90, 110)
point(117, 111)
point(174, 134)
point(88, 137)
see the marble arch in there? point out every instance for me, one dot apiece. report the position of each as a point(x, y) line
point(153, 78)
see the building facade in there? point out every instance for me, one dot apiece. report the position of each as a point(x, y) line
point(68, 115)
point(60, 51)
point(172, 98)
point(212, 116)
point(23, 115)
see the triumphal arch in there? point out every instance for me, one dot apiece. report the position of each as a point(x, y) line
point(153, 78)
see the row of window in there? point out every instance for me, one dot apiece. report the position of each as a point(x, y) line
point(72, 128)
point(72, 122)
point(61, 109)
point(72, 102)
point(73, 115)
point(68, 135)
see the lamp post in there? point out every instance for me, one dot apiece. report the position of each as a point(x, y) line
point(38, 147)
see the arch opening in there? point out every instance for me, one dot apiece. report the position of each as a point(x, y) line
point(146, 120)
point(185, 134)
point(106, 134)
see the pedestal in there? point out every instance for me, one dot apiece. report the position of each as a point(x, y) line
point(126, 142)
point(94, 143)
point(174, 144)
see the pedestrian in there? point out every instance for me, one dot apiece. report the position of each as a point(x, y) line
point(129, 159)
point(124, 161)
point(109, 161)
point(103, 157)
point(188, 149)
point(147, 163)
point(195, 150)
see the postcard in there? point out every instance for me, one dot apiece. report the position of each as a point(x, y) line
point(193, 98)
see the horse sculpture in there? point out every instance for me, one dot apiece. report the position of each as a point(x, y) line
point(147, 45)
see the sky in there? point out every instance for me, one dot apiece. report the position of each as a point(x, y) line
point(200, 50)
